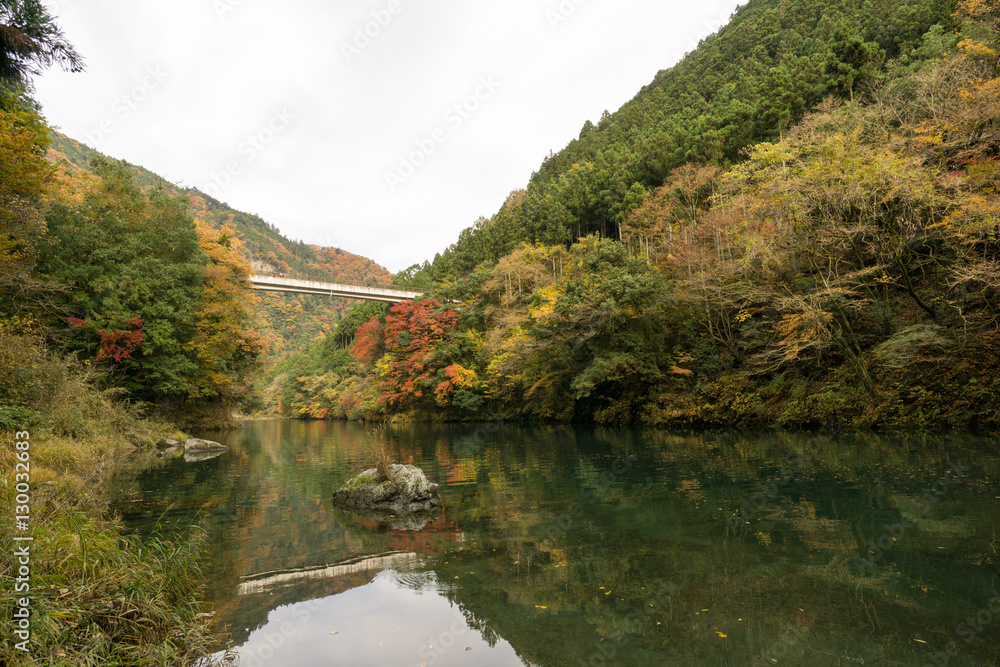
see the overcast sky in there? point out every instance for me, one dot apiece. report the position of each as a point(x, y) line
point(382, 127)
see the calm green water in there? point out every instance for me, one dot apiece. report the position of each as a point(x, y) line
point(572, 546)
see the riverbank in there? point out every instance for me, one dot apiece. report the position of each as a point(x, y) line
point(78, 590)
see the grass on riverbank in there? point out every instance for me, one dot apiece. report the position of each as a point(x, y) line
point(97, 595)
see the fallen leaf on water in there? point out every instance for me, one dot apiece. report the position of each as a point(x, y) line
point(468, 648)
point(334, 633)
point(919, 640)
point(721, 634)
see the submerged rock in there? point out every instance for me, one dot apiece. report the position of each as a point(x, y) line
point(407, 492)
point(199, 446)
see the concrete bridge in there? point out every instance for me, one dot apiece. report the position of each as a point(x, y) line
point(273, 284)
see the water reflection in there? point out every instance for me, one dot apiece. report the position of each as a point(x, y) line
point(393, 620)
point(571, 546)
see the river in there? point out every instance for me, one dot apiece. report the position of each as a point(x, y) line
point(581, 546)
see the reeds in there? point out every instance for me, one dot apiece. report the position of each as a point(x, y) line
point(379, 449)
point(100, 597)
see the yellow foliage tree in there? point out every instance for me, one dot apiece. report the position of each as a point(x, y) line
point(227, 345)
point(25, 175)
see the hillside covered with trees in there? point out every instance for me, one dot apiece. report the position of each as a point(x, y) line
point(283, 323)
point(796, 225)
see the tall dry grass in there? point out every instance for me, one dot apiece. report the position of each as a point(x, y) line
point(98, 595)
point(379, 454)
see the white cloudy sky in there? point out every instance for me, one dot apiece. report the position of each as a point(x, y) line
point(280, 109)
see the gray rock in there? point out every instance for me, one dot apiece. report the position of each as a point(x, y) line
point(199, 446)
point(168, 443)
point(407, 492)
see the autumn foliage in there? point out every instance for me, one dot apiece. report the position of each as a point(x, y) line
point(406, 351)
point(843, 272)
point(114, 345)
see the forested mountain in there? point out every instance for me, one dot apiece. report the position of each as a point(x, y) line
point(748, 83)
point(796, 225)
point(286, 323)
point(267, 249)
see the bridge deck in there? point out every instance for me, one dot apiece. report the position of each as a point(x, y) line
point(274, 284)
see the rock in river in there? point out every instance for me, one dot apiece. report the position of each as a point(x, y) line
point(408, 491)
point(196, 449)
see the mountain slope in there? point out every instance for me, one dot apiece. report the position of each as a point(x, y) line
point(268, 250)
point(288, 323)
point(748, 83)
point(735, 258)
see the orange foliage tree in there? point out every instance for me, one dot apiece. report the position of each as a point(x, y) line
point(409, 352)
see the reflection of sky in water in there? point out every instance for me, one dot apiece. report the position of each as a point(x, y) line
point(382, 624)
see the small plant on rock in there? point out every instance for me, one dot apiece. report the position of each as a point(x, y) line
point(380, 450)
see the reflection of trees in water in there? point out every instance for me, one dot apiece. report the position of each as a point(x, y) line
point(779, 587)
point(547, 522)
point(505, 499)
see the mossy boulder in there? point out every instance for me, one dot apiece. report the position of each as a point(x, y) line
point(408, 490)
